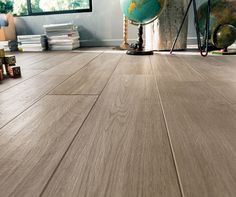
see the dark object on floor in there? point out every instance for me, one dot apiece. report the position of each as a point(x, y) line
point(14, 71)
point(222, 27)
point(10, 59)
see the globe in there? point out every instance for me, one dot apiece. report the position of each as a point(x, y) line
point(222, 28)
point(142, 11)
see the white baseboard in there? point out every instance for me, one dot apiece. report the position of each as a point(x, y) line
point(116, 42)
point(103, 43)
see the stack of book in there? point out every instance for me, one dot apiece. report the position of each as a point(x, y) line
point(32, 42)
point(62, 36)
point(10, 45)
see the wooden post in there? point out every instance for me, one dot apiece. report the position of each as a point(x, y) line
point(125, 44)
point(161, 34)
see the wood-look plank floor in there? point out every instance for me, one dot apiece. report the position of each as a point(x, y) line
point(121, 150)
point(33, 144)
point(202, 128)
point(107, 124)
point(92, 78)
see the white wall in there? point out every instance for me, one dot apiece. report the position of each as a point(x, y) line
point(101, 27)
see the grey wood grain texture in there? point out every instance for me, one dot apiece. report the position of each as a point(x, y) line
point(173, 68)
point(211, 69)
point(53, 59)
point(122, 149)
point(130, 65)
point(18, 98)
point(218, 72)
point(27, 60)
point(72, 64)
point(226, 89)
point(26, 74)
point(24, 56)
point(67, 67)
point(202, 129)
point(34, 143)
point(92, 78)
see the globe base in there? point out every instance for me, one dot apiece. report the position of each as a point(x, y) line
point(138, 52)
point(137, 48)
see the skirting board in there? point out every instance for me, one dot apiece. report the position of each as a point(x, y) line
point(117, 42)
point(103, 43)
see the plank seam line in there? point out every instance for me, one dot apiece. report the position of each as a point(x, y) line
point(68, 148)
point(206, 79)
point(43, 95)
point(73, 94)
point(24, 110)
point(168, 134)
point(48, 58)
point(4, 90)
point(75, 72)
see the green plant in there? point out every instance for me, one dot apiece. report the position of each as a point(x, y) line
point(6, 6)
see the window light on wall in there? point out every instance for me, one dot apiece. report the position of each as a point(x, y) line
point(43, 7)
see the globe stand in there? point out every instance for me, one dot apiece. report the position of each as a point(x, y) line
point(138, 49)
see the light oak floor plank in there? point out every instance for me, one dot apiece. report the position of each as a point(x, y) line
point(173, 68)
point(122, 148)
point(92, 78)
point(51, 60)
point(18, 98)
point(211, 69)
point(201, 127)
point(26, 74)
point(24, 56)
point(27, 60)
point(226, 89)
point(125, 142)
point(134, 65)
point(67, 67)
point(32, 145)
point(218, 72)
point(72, 64)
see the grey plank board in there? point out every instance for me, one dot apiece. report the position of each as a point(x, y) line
point(201, 127)
point(226, 89)
point(72, 64)
point(92, 78)
point(18, 98)
point(211, 69)
point(173, 68)
point(28, 59)
point(49, 60)
point(25, 74)
point(122, 149)
point(34, 143)
point(134, 65)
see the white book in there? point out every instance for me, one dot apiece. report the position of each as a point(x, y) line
point(28, 49)
point(65, 36)
point(26, 37)
point(68, 41)
point(64, 47)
